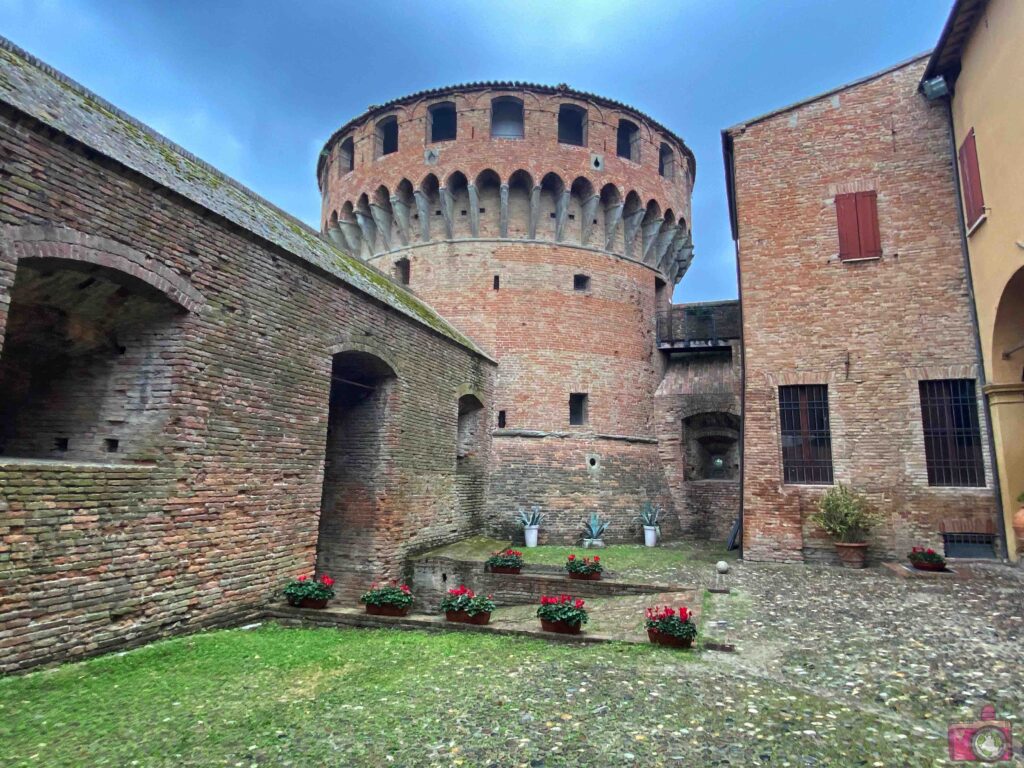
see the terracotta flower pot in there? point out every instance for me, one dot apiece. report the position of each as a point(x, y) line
point(386, 610)
point(852, 555)
point(312, 602)
point(461, 617)
point(560, 627)
point(585, 576)
point(928, 566)
point(504, 569)
point(660, 638)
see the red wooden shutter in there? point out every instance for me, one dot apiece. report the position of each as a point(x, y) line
point(849, 238)
point(867, 225)
point(970, 180)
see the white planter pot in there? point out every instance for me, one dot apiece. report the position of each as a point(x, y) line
point(530, 531)
point(593, 543)
point(650, 536)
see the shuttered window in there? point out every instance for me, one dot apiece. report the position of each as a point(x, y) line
point(857, 215)
point(806, 434)
point(952, 434)
point(970, 180)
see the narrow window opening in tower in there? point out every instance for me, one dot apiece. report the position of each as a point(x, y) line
point(581, 282)
point(627, 141)
point(387, 136)
point(666, 161)
point(501, 420)
point(346, 155)
point(572, 125)
point(402, 271)
point(507, 118)
point(443, 122)
point(497, 282)
point(578, 408)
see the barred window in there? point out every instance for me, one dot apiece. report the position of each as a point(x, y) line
point(806, 437)
point(952, 435)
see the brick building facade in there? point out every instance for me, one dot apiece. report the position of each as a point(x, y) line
point(860, 356)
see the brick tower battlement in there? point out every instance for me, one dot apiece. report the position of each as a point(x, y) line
point(550, 226)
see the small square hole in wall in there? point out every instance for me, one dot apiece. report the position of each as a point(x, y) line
point(483, 210)
point(463, 213)
point(501, 420)
point(572, 217)
point(581, 282)
point(60, 444)
point(111, 444)
point(551, 215)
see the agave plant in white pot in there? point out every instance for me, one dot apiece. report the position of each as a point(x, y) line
point(593, 530)
point(531, 525)
point(650, 519)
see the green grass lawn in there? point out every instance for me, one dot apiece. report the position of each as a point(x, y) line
point(312, 697)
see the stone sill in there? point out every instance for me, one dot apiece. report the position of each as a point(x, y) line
point(13, 462)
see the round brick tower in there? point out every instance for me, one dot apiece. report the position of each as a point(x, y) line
point(550, 226)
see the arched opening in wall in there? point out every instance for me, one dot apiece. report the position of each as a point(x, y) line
point(666, 161)
point(429, 207)
point(383, 216)
point(356, 466)
point(1008, 333)
point(649, 229)
point(442, 122)
point(350, 231)
point(520, 187)
point(662, 301)
point(665, 237)
point(632, 213)
point(406, 201)
point(458, 187)
point(346, 156)
point(711, 446)
point(488, 193)
point(507, 118)
point(551, 187)
point(387, 136)
point(577, 228)
point(470, 461)
point(611, 219)
point(85, 370)
point(364, 216)
point(627, 140)
point(572, 125)
point(402, 271)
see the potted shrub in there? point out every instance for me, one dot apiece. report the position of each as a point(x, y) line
point(585, 568)
point(650, 517)
point(391, 599)
point(462, 605)
point(593, 530)
point(305, 592)
point(666, 626)
point(505, 561)
point(926, 559)
point(563, 614)
point(845, 516)
point(531, 525)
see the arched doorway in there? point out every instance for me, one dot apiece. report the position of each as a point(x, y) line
point(355, 462)
point(1005, 393)
point(470, 463)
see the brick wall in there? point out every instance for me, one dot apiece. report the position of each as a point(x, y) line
point(224, 506)
point(869, 330)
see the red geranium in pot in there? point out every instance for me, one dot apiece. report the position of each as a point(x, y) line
point(564, 614)
point(463, 605)
point(391, 599)
point(305, 592)
point(926, 559)
point(505, 561)
point(584, 568)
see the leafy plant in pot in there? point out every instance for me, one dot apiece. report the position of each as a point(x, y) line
point(584, 569)
point(305, 592)
point(465, 606)
point(846, 517)
point(926, 559)
point(505, 561)
point(531, 525)
point(650, 517)
point(593, 529)
point(564, 614)
point(666, 626)
point(391, 599)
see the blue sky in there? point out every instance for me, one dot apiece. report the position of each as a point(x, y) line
point(255, 87)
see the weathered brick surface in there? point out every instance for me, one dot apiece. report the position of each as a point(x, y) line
point(225, 503)
point(869, 330)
